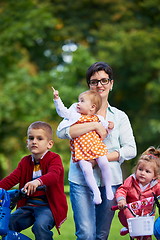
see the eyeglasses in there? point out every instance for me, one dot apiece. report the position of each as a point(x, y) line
point(103, 81)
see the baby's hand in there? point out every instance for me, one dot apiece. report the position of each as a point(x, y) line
point(121, 204)
point(110, 125)
point(55, 93)
point(30, 187)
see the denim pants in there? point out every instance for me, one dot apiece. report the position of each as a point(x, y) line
point(92, 222)
point(40, 217)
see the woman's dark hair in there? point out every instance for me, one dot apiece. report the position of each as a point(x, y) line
point(96, 67)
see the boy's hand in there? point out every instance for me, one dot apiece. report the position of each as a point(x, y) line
point(30, 187)
point(55, 93)
point(121, 204)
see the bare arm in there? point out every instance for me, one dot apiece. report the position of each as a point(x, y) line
point(113, 156)
point(80, 129)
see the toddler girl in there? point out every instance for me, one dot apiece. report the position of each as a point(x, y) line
point(142, 184)
point(88, 146)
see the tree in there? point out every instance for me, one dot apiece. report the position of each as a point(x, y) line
point(33, 58)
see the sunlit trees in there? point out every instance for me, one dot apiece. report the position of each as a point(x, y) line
point(33, 58)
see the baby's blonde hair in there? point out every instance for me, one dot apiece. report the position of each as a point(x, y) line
point(94, 97)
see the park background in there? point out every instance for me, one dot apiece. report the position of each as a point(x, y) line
point(52, 43)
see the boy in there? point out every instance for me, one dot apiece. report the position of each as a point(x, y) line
point(42, 209)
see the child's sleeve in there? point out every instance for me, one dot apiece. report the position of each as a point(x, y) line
point(122, 191)
point(62, 111)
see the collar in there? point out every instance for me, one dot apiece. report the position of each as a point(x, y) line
point(110, 108)
point(152, 183)
point(143, 187)
point(40, 157)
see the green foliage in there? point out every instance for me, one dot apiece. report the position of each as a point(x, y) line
point(123, 33)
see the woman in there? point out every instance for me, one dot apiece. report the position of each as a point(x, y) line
point(92, 221)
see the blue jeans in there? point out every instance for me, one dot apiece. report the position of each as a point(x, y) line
point(92, 221)
point(40, 217)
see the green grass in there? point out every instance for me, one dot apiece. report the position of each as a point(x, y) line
point(67, 229)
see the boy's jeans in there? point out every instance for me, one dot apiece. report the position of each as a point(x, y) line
point(92, 221)
point(40, 217)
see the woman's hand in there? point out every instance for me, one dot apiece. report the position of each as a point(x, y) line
point(93, 162)
point(101, 131)
point(113, 156)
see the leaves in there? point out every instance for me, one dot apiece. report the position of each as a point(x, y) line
point(33, 34)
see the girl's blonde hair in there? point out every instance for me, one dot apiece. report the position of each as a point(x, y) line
point(94, 97)
point(151, 155)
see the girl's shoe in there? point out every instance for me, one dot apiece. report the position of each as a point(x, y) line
point(124, 231)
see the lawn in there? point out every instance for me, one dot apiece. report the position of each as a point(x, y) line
point(67, 229)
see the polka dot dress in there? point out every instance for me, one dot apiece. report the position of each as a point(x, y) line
point(89, 145)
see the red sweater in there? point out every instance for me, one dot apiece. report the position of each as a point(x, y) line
point(52, 177)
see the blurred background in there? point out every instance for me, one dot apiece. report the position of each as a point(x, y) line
point(52, 43)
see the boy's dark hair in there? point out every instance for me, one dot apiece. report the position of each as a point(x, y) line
point(96, 67)
point(42, 125)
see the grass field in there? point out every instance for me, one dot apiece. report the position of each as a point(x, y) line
point(67, 229)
